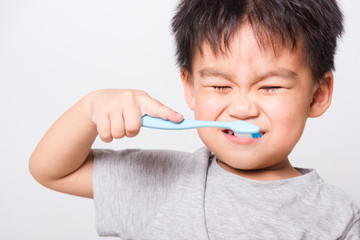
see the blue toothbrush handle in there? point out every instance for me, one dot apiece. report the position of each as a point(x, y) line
point(158, 123)
point(236, 126)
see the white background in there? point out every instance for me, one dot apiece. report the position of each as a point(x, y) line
point(54, 52)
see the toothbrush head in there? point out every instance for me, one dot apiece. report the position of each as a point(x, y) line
point(256, 135)
point(242, 127)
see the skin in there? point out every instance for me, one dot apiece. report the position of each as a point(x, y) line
point(274, 92)
point(109, 113)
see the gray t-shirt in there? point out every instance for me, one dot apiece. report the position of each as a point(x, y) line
point(155, 194)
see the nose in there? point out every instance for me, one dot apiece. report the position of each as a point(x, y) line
point(243, 107)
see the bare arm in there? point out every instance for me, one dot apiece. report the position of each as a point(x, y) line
point(63, 161)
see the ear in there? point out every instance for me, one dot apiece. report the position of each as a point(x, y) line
point(322, 95)
point(188, 84)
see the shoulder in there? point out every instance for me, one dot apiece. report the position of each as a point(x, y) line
point(323, 193)
point(339, 207)
point(325, 205)
point(337, 197)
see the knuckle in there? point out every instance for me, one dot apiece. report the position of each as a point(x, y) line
point(127, 94)
point(133, 128)
point(104, 133)
point(103, 113)
point(118, 134)
point(140, 93)
point(131, 132)
point(131, 94)
point(128, 98)
point(106, 137)
point(114, 104)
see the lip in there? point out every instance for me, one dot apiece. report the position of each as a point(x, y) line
point(241, 141)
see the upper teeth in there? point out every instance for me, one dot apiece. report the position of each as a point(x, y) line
point(228, 131)
point(243, 135)
point(239, 135)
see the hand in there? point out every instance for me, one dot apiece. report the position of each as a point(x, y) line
point(117, 113)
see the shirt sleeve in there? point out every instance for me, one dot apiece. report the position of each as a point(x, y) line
point(130, 186)
point(354, 231)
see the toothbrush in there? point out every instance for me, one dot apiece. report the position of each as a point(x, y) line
point(238, 127)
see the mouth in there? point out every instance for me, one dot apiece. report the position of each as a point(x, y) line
point(239, 136)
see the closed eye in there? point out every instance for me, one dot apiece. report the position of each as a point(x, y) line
point(271, 88)
point(221, 88)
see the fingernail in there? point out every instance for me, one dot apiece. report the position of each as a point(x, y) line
point(179, 116)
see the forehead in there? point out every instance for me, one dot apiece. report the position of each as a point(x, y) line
point(246, 47)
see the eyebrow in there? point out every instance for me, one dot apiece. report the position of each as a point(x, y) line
point(214, 73)
point(280, 72)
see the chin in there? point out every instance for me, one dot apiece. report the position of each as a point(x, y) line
point(251, 163)
point(243, 166)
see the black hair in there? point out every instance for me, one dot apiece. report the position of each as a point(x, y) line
point(316, 23)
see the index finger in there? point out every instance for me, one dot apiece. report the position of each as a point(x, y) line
point(155, 108)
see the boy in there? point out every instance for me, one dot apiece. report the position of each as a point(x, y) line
point(265, 62)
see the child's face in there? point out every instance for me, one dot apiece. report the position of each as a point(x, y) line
point(274, 92)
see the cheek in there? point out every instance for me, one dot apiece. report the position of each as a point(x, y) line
point(287, 119)
point(206, 135)
point(208, 107)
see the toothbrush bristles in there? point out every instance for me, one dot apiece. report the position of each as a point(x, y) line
point(256, 135)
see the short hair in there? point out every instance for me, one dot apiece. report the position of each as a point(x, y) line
point(317, 23)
